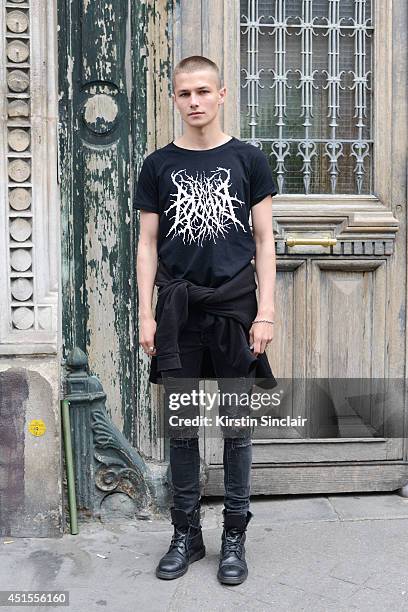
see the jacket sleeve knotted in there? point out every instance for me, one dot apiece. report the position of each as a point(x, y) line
point(171, 316)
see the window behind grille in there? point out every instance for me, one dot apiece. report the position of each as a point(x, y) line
point(306, 92)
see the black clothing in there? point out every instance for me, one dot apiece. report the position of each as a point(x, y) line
point(194, 348)
point(232, 567)
point(185, 473)
point(206, 299)
point(204, 198)
point(230, 309)
point(186, 545)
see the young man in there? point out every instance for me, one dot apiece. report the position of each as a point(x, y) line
point(195, 196)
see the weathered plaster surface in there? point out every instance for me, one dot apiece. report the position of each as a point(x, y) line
point(31, 478)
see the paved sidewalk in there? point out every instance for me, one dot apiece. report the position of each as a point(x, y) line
point(314, 553)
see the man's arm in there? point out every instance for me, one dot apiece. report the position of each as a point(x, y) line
point(265, 265)
point(146, 266)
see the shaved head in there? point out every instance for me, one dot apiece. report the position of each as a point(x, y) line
point(195, 63)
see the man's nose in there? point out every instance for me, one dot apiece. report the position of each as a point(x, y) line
point(194, 100)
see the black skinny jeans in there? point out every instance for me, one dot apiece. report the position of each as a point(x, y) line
point(196, 342)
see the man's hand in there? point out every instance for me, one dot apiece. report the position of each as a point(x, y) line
point(260, 335)
point(146, 271)
point(147, 335)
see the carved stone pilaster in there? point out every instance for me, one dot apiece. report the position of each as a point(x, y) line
point(28, 186)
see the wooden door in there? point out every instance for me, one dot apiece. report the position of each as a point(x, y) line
point(305, 86)
point(312, 96)
point(102, 133)
point(339, 220)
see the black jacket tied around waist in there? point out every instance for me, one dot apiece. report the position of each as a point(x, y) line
point(233, 306)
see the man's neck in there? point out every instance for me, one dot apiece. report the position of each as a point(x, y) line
point(202, 140)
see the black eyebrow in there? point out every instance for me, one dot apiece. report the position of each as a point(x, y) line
point(187, 90)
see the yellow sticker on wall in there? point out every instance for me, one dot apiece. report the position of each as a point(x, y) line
point(37, 427)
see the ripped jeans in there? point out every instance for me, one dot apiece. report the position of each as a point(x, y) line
point(195, 345)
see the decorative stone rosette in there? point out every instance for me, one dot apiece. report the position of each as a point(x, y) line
point(19, 164)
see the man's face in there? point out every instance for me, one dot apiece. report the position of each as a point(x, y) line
point(197, 96)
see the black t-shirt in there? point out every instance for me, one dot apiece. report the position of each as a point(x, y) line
point(204, 198)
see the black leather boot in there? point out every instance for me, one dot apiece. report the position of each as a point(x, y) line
point(233, 568)
point(186, 545)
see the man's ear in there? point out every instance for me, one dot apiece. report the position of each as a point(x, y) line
point(174, 101)
point(222, 93)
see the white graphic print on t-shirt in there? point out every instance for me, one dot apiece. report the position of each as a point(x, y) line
point(203, 209)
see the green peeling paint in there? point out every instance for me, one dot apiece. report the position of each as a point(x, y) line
point(102, 143)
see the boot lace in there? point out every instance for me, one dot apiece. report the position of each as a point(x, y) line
point(232, 542)
point(178, 538)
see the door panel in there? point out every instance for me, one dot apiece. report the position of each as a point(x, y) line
point(348, 305)
point(328, 355)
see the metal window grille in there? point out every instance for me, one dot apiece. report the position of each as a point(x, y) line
point(306, 92)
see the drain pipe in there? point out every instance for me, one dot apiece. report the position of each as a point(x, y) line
point(66, 426)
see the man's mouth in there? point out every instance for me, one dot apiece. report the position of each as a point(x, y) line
point(193, 114)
